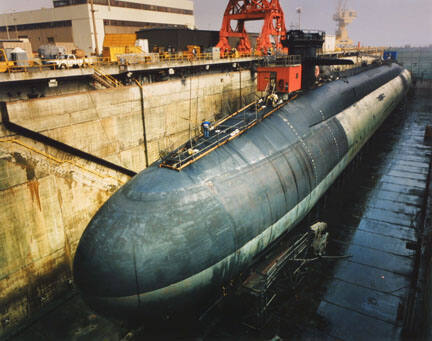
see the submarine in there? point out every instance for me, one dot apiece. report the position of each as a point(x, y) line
point(167, 240)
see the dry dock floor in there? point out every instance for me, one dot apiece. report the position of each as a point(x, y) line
point(373, 213)
point(380, 216)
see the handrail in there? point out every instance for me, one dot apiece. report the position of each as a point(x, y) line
point(222, 137)
point(155, 59)
point(107, 77)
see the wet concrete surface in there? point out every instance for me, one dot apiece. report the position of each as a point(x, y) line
point(366, 295)
point(373, 213)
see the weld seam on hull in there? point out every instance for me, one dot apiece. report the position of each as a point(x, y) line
point(297, 213)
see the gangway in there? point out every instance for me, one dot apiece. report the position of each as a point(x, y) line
point(222, 132)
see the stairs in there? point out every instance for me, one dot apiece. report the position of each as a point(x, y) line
point(105, 80)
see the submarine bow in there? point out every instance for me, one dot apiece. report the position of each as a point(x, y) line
point(166, 239)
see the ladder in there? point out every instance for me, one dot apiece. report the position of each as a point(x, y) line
point(104, 79)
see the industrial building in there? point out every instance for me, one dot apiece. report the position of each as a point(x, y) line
point(79, 21)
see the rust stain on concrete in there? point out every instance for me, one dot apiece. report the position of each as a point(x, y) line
point(60, 198)
point(34, 190)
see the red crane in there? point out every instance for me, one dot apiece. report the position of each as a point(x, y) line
point(246, 10)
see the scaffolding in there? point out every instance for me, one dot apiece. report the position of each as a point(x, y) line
point(259, 285)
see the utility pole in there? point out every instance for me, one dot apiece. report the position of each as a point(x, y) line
point(7, 28)
point(299, 10)
point(16, 27)
point(94, 26)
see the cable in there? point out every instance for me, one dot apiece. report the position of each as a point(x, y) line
point(321, 257)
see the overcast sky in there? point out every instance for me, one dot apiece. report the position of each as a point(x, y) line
point(379, 22)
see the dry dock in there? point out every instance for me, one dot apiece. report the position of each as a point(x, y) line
point(376, 214)
point(49, 195)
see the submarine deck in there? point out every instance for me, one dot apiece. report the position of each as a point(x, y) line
point(220, 133)
point(373, 212)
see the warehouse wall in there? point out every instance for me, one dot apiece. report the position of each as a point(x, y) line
point(48, 196)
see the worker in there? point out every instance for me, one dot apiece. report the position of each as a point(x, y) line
point(206, 128)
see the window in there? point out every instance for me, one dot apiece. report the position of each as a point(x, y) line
point(65, 23)
point(61, 3)
point(125, 4)
point(140, 24)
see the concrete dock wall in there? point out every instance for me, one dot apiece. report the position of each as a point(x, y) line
point(109, 123)
point(18, 91)
point(417, 60)
point(48, 196)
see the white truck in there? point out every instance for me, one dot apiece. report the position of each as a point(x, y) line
point(68, 61)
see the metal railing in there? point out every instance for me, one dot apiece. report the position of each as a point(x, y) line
point(45, 66)
point(143, 59)
point(288, 59)
point(105, 79)
point(353, 49)
point(225, 130)
point(163, 58)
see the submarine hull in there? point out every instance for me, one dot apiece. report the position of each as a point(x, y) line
point(167, 239)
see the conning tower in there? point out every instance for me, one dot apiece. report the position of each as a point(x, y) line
point(305, 44)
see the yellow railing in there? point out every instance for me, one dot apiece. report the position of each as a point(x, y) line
point(32, 67)
point(105, 61)
point(154, 59)
point(107, 77)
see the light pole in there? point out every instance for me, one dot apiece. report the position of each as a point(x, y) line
point(299, 10)
point(7, 27)
point(94, 27)
point(16, 27)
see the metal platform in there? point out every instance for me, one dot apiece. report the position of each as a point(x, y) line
point(222, 132)
point(284, 262)
point(43, 72)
